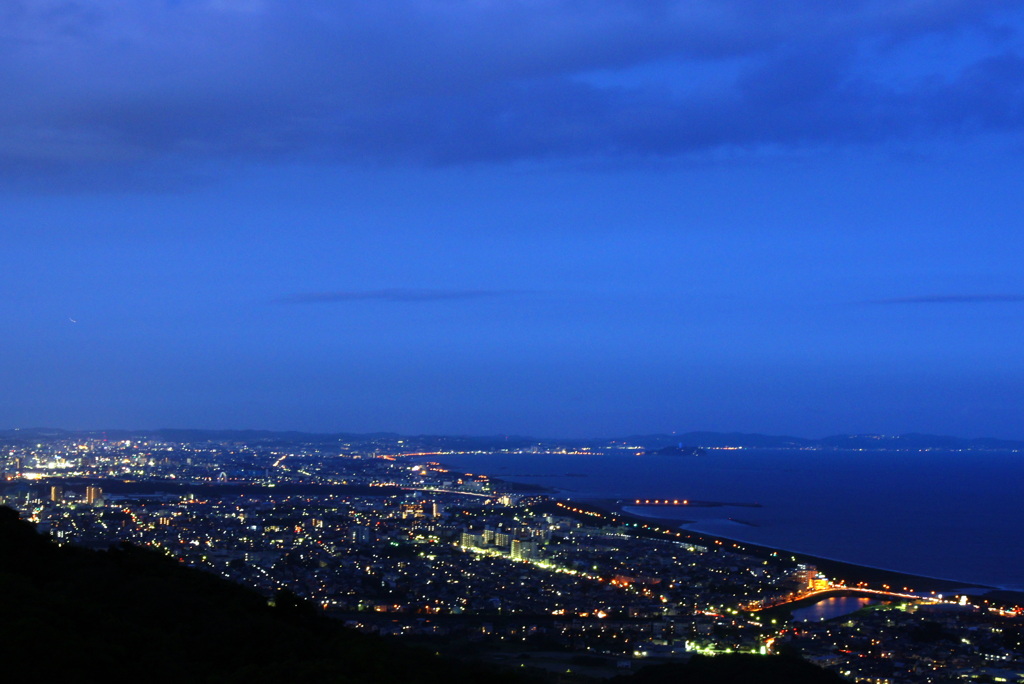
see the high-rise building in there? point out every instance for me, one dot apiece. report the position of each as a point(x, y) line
point(805, 574)
point(360, 535)
point(56, 493)
point(523, 550)
point(93, 495)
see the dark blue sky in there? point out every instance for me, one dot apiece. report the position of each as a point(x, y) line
point(532, 217)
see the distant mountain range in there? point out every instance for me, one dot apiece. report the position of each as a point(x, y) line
point(391, 441)
point(912, 441)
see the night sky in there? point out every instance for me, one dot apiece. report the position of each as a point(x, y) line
point(553, 218)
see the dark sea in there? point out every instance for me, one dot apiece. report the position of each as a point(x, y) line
point(950, 515)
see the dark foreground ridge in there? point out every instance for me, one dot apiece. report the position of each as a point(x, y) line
point(133, 614)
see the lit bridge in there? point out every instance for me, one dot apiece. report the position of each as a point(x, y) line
point(756, 606)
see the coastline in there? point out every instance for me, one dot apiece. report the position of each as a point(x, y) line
point(851, 573)
point(834, 568)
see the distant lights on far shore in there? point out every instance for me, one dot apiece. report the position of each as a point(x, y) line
point(661, 502)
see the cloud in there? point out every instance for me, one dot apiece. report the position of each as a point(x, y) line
point(953, 299)
point(393, 295)
point(129, 82)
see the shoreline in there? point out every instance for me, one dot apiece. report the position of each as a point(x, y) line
point(835, 568)
point(851, 573)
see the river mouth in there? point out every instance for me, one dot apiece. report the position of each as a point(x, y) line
point(831, 608)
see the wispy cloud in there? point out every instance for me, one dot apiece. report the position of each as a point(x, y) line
point(392, 295)
point(953, 299)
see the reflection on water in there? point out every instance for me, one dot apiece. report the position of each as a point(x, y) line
point(829, 608)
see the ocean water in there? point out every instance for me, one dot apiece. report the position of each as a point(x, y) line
point(952, 515)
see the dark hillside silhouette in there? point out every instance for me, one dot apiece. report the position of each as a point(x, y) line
point(134, 614)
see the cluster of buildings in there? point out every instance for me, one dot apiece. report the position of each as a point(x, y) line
point(906, 641)
point(403, 546)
